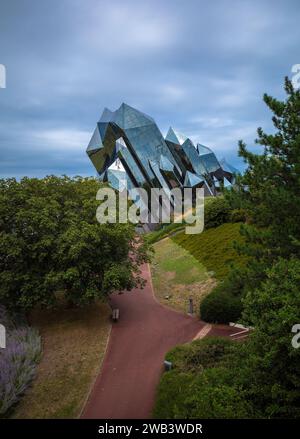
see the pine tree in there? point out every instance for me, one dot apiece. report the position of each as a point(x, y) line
point(269, 190)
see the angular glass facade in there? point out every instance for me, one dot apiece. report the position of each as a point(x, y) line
point(128, 150)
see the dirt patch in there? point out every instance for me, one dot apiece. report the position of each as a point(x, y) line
point(170, 275)
point(74, 341)
point(179, 295)
point(178, 276)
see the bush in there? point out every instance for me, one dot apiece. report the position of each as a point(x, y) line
point(212, 395)
point(200, 354)
point(216, 212)
point(237, 216)
point(172, 391)
point(17, 361)
point(221, 306)
point(188, 361)
point(201, 383)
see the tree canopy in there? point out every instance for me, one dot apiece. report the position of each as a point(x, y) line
point(52, 244)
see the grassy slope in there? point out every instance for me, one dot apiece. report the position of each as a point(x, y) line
point(165, 230)
point(74, 341)
point(179, 275)
point(214, 248)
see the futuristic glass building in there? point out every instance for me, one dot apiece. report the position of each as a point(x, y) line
point(128, 150)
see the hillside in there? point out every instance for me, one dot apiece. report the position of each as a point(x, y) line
point(214, 248)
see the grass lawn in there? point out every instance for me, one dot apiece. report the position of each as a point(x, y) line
point(74, 341)
point(190, 265)
point(214, 248)
point(177, 274)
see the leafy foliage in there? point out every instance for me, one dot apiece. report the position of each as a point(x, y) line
point(173, 388)
point(261, 376)
point(199, 354)
point(212, 395)
point(50, 241)
point(224, 303)
point(216, 212)
point(200, 384)
point(269, 190)
point(221, 306)
point(271, 365)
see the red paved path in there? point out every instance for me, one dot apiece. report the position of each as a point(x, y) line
point(132, 366)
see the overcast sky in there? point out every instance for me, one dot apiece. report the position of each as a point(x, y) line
point(199, 66)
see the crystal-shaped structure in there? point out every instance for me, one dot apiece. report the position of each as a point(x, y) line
point(128, 150)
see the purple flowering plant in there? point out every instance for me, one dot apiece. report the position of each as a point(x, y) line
point(18, 361)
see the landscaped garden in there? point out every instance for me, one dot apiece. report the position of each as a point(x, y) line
point(191, 266)
point(178, 276)
point(258, 378)
point(74, 343)
point(57, 267)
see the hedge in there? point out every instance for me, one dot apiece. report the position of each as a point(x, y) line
point(221, 306)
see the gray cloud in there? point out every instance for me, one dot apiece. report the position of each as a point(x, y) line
point(200, 68)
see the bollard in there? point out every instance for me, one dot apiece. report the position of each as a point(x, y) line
point(168, 365)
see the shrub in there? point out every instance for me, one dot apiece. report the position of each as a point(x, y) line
point(212, 395)
point(221, 306)
point(17, 361)
point(201, 383)
point(172, 391)
point(237, 216)
point(216, 212)
point(200, 354)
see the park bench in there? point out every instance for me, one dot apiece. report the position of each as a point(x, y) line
point(115, 314)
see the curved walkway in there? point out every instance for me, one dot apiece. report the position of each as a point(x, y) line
point(133, 362)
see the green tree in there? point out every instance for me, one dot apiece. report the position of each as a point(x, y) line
point(269, 190)
point(270, 364)
point(51, 242)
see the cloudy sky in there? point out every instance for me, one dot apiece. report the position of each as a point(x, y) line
point(199, 66)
